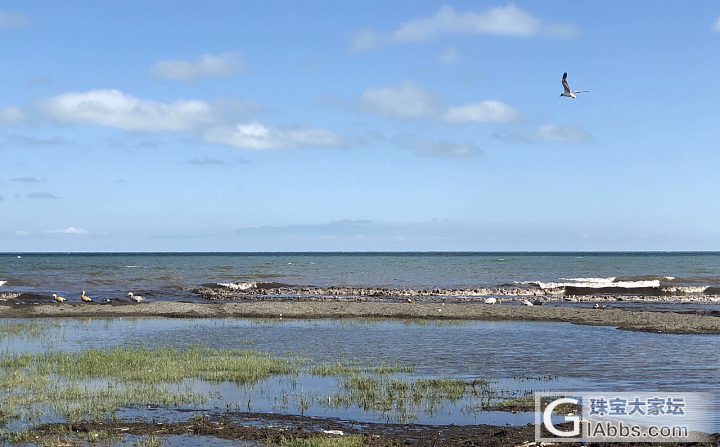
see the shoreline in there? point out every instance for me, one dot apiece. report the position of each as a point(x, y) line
point(632, 320)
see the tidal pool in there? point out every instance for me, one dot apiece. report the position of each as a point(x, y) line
point(515, 358)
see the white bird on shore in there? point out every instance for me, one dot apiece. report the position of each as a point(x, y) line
point(569, 93)
point(136, 298)
point(491, 300)
point(526, 303)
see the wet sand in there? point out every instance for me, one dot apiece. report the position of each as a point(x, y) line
point(662, 322)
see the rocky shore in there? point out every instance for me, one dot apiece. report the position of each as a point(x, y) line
point(259, 291)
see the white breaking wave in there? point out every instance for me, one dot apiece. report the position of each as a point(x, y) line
point(685, 289)
point(239, 285)
point(594, 283)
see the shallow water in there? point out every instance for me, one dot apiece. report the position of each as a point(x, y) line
point(518, 357)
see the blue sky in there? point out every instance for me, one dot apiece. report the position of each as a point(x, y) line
point(353, 126)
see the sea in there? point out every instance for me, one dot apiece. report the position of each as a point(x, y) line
point(668, 276)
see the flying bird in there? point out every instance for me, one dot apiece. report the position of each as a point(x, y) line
point(85, 297)
point(570, 93)
point(59, 299)
point(135, 298)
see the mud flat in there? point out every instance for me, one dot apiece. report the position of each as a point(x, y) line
point(665, 322)
point(304, 429)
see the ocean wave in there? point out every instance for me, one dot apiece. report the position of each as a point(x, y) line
point(641, 285)
point(238, 285)
point(595, 283)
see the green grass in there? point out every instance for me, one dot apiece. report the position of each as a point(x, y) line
point(342, 368)
point(94, 383)
point(402, 399)
point(25, 329)
point(340, 441)
point(168, 365)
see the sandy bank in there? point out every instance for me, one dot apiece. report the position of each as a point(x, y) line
point(624, 319)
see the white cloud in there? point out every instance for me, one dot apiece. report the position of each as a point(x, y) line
point(68, 230)
point(501, 20)
point(449, 56)
point(207, 161)
point(550, 132)
point(28, 180)
point(259, 136)
point(117, 109)
point(716, 25)
point(207, 66)
point(11, 115)
point(13, 20)
point(445, 149)
point(368, 39)
point(410, 101)
point(481, 112)
point(439, 149)
point(41, 195)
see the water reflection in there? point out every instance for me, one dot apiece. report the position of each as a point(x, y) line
point(517, 357)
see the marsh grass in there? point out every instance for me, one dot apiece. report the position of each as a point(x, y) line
point(94, 383)
point(343, 368)
point(403, 399)
point(26, 329)
point(169, 365)
point(341, 441)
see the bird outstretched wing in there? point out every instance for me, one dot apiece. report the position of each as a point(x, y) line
point(565, 83)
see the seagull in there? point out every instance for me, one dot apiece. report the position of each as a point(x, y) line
point(526, 303)
point(570, 93)
point(59, 299)
point(135, 298)
point(491, 300)
point(85, 297)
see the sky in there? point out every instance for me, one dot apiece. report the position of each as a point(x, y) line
point(359, 125)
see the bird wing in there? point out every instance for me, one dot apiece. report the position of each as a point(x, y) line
point(565, 84)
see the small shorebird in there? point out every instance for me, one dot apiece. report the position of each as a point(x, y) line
point(409, 300)
point(59, 299)
point(491, 300)
point(85, 297)
point(569, 93)
point(526, 303)
point(135, 298)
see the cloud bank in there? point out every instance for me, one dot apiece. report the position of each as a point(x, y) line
point(549, 132)
point(410, 101)
point(502, 20)
point(11, 115)
point(207, 66)
point(117, 109)
point(68, 230)
point(258, 136)
point(10, 20)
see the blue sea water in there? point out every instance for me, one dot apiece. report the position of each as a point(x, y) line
point(174, 276)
